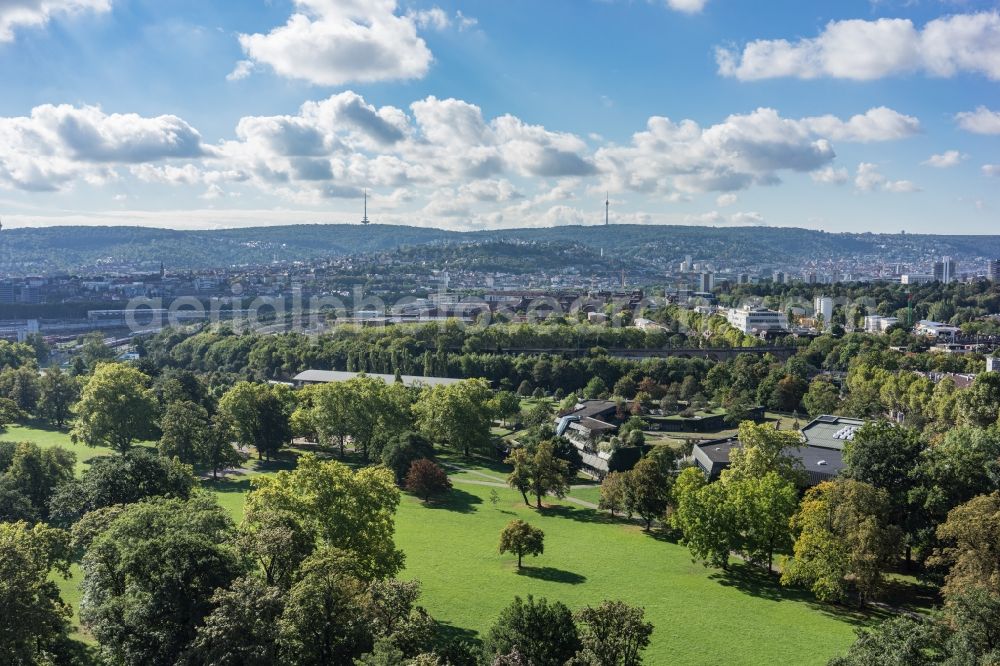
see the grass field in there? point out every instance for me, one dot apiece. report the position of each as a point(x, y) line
point(43, 435)
point(702, 616)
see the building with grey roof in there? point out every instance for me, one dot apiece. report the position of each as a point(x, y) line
point(830, 432)
point(329, 376)
point(820, 456)
point(590, 423)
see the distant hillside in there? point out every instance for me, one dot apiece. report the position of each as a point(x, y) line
point(46, 250)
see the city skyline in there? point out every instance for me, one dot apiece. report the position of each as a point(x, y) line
point(854, 116)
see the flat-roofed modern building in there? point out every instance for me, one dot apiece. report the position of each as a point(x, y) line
point(879, 324)
point(821, 454)
point(936, 329)
point(757, 320)
point(329, 376)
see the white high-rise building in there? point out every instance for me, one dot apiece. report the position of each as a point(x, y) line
point(823, 305)
point(945, 270)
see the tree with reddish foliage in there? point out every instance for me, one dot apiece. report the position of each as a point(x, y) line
point(426, 479)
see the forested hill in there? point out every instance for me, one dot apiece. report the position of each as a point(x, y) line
point(43, 250)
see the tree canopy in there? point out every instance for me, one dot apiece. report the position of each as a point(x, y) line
point(353, 511)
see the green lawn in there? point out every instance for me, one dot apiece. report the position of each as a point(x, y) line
point(590, 494)
point(43, 435)
point(702, 616)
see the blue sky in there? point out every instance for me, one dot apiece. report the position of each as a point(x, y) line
point(846, 115)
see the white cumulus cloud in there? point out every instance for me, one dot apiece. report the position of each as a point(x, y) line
point(867, 50)
point(869, 179)
point(333, 42)
point(57, 144)
point(440, 157)
point(877, 124)
point(831, 176)
point(945, 160)
point(980, 121)
point(687, 6)
point(16, 14)
point(743, 150)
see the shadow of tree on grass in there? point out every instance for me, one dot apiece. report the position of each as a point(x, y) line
point(228, 484)
point(448, 633)
point(758, 582)
point(580, 514)
point(456, 500)
point(552, 575)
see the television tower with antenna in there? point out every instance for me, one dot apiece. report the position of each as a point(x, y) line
point(365, 221)
point(607, 209)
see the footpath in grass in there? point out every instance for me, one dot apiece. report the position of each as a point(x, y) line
point(702, 616)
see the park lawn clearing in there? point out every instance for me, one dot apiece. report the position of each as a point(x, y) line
point(701, 615)
point(45, 436)
point(590, 494)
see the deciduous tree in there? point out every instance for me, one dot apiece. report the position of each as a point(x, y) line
point(613, 493)
point(426, 479)
point(123, 479)
point(543, 633)
point(613, 634)
point(353, 511)
point(150, 576)
point(549, 474)
point(9, 412)
point(647, 491)
point(823, 397)
point(34, 472)
point(324, 621)
point(185, 427)
point(277, 541)
point(401, 451)
point(519, 538)
point(505, 405)
point(456, 415)
point(21, 386)
point(34, 621)
point(845, 542)
point(979, 404)
point(116, 408)
point(886, 456)
point(970, 546)
point(705, 517)
point(242, 627)
point(259, 416)
point(57, 393)
point(522, 471)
